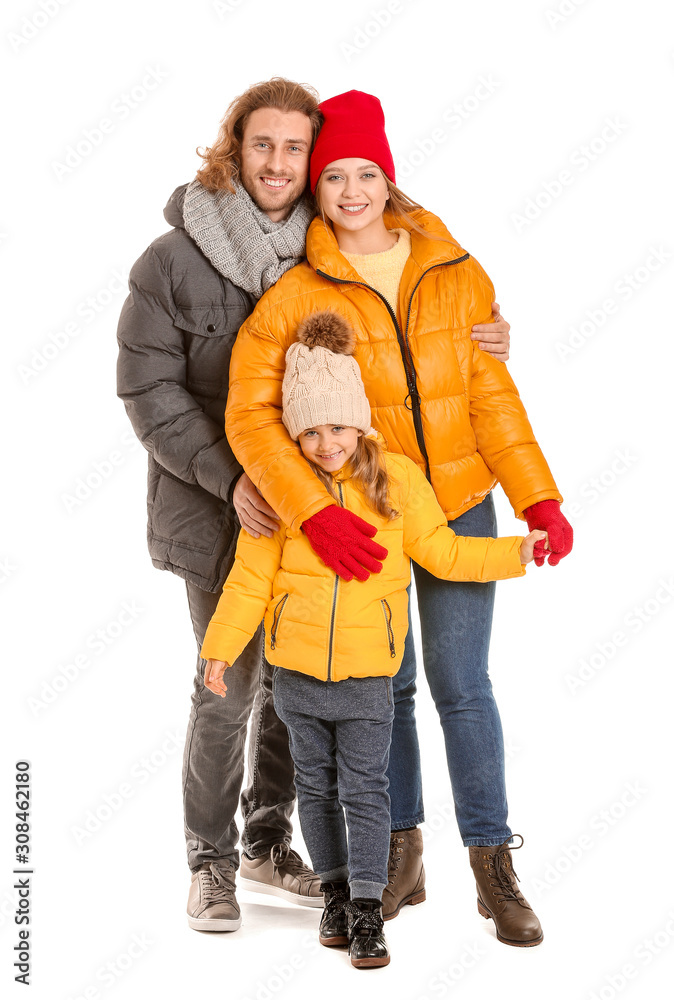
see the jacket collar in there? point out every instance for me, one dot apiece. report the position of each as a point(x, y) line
point(436, 246)
point(173, 213)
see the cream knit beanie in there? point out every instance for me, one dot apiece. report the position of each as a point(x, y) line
point(322, 382)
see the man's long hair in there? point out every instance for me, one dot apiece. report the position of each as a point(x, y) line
point(222, 160)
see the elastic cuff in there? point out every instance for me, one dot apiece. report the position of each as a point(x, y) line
point(367, 890)
point(340, 874)
point(232, 486)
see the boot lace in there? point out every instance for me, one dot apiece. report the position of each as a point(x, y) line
point(217, 885)
point(336, 899)
point(394, 857)
point(365, 922)
point(288, 861)
point(506, 878)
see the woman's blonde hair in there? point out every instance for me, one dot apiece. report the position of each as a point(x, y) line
point(367, 469)
point(222, 160)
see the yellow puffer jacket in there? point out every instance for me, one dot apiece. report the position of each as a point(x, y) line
point(435, 396)
point(321, 625)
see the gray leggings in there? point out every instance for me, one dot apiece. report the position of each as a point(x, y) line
point(340, 733)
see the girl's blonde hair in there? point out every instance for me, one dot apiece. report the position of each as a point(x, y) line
point(367, 469)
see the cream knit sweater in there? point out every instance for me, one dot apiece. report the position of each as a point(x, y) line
point(384, 270)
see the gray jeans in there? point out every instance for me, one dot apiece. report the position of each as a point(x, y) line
point(213, 763)
point(340, 733)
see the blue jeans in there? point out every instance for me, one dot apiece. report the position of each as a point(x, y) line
point(340, 732)
point(455, 630)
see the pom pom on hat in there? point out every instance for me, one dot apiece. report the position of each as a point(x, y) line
point(327, 329)
point(322, 382)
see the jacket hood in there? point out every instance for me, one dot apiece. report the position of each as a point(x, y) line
point(173, 212)
point(436, 246)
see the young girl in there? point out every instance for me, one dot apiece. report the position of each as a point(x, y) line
point(339, 643)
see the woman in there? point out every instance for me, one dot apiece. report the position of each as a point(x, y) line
point(411, 293)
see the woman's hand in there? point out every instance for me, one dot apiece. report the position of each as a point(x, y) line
point(547, 516)
point(494, 337)
point(344, 542)
point(535, 543)
point(213, 676)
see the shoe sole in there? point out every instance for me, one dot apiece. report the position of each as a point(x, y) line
point(276, 890)
point(370, 963)
point(484, 912)
point(334, 942)
point(416, 897)
point(219, 924)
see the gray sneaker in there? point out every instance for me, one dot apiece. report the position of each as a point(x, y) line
point(212, 905)
point(282, 873)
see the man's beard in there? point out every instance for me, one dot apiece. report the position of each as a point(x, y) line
point(271, 203)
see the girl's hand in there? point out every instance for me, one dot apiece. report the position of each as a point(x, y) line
point(213, 676)
point(536, 544)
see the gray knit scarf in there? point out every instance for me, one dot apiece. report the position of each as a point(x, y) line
point(240, 240)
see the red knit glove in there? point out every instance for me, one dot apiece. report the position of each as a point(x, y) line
point(547, 516)
point(342, 540)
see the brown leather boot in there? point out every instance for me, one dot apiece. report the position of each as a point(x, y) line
point(498, 896)
point(406, 879)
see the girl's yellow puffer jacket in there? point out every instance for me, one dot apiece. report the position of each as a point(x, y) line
point(321, 625)
point(435, 396)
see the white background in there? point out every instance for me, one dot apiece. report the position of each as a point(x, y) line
point(517, 93)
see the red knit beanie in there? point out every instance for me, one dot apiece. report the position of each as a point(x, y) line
point(354, 126)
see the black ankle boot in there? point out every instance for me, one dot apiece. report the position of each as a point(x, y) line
point(333, 930)
point(367, 944)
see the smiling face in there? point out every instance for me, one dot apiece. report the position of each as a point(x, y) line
point(353, 193)
point(329, 446)
point(275, 159)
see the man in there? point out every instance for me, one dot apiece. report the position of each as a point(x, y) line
point(236, 229)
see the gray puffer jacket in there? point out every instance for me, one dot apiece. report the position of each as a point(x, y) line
point(175, 334)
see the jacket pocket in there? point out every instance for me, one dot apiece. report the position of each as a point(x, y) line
point(388, 618)
point(276, 621)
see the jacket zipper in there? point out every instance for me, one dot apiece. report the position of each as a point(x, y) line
point(278, 611)
point(403, 342)
point(334, 597)
point(388, 618)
